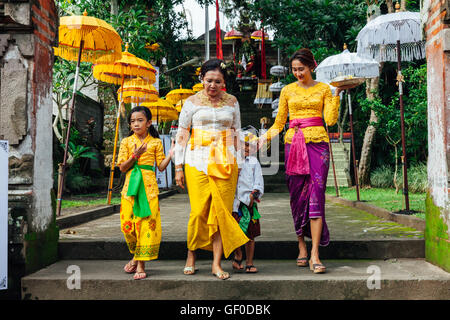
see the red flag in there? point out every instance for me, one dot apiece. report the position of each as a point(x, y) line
point(219, 52)
point(263, 54)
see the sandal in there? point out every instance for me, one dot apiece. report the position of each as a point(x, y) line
point(302, 262)
point(249, 267)
point(239, 263)
point(189, 271)
point(139, 275)
point(130, 268)
point(316, 267)
point(222, 275)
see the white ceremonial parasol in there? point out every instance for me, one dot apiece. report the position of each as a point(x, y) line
point(347, 68)
point(276, 87)
point(347, 64)
point(378, 39)
point(394, 37)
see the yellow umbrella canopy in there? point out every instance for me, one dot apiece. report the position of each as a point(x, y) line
point(179, 94)
point(198, 87)
point(167, 115)
point(138, 90)
point(179, 105)
point(160, 107)
point(87, 39)
point(100, 41)
point(128, 67)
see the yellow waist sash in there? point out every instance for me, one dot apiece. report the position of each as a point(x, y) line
point(220, 160)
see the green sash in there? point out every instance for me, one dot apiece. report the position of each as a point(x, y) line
point(136, 189)
point(245, 219)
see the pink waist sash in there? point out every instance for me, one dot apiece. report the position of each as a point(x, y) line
point(298, 162)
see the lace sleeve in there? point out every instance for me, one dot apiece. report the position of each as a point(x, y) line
point(331, 107)
point(182, 137)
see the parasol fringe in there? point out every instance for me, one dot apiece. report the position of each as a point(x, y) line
point(409, 52)
point(345, 70)
point(263, 94)
point(70, 53)
point(112, 73)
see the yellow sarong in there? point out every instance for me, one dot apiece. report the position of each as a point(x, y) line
point(143, 235)
point(211, 196)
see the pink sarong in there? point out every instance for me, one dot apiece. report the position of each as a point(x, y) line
point(297, 162)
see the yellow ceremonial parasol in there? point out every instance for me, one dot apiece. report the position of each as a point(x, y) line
point(160, 107)
point(198, 87)
point(179, 105)
point(137, 91)
point(128, 67)
point(164, 111)
point(179, 94)
point(83, 39)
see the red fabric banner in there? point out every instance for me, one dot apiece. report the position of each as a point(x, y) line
point(219, 52)
point(263, 54)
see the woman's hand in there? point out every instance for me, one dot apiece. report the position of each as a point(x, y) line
point(179, 178)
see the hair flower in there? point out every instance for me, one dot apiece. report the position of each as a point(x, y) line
point(223, 66)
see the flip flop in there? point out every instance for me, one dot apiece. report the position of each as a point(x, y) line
point(249, 267)
point(130, 268)
point(302, 262)
point(189, 271)
point(316, 267)
point(222, 275)
point(139, 275)
point(239, 263)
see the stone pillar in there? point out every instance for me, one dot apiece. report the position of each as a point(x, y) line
point(28, 32)
point(436, 14)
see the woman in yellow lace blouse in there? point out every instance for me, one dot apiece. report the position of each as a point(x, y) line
point(306, 152)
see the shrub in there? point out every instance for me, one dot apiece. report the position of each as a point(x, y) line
point(382, 177)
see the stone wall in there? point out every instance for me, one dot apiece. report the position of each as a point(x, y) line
point(28, 33)
point(436, 16)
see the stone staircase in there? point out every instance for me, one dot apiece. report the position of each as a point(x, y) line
point(341, 165)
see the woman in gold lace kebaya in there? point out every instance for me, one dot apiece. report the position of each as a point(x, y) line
point(211, 117)
point(306, 152)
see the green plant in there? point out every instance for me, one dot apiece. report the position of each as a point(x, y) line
point(382, 177)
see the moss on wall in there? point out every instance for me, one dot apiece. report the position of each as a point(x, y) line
point(41, 248)
point(437, 244)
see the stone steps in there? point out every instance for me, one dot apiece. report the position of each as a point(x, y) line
point(393, 279)
point(265, 249)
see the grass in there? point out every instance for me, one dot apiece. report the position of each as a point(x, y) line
point(91, 199)
point(384, 198)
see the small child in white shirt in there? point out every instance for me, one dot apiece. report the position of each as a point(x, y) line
point(249, 190)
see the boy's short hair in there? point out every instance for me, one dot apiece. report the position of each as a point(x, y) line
point(248, 134)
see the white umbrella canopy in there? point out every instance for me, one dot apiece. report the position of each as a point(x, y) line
point(276, 87)
point(347, 64)
point(378, 39)
point(278, 71)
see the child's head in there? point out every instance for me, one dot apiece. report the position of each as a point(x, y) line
point(140, 122)
point(248, 140)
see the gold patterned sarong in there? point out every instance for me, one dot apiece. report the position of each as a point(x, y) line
point(211, 195)
point(143, 235)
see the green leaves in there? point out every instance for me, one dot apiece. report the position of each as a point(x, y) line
point(79, 151)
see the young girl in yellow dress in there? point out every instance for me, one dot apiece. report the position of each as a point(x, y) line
point(139, 212)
